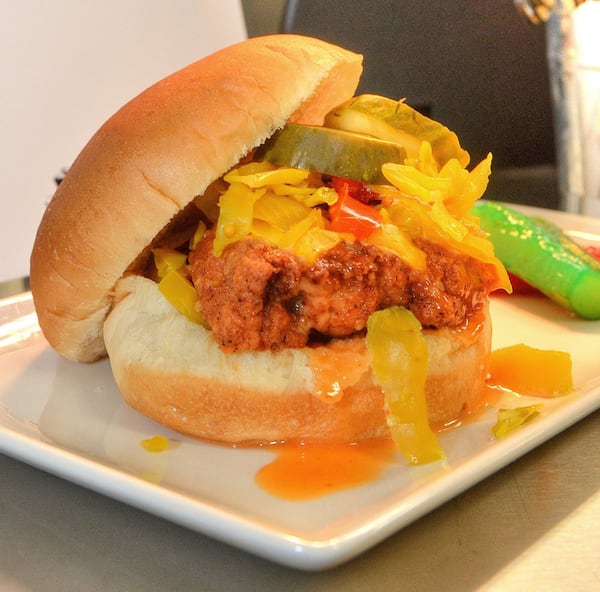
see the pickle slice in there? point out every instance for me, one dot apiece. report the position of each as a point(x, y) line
point(333, 152)
point(395, 121)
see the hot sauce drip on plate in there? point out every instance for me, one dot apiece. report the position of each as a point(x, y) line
point(530, 371)
point(302, 472)
point(307, 471)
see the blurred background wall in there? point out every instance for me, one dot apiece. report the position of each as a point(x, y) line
point(66, 66)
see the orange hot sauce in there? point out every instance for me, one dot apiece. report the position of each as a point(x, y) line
point(307, 471)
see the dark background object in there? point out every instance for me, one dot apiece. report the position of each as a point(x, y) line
point(478, 67)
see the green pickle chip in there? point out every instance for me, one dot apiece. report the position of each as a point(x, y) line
point(335, 152)
point(396, 121)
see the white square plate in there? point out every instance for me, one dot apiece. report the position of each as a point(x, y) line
point(69, 419)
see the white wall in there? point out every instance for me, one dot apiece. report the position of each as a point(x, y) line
point(66, 66)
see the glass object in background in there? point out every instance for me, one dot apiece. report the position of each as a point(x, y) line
point(586, 74)
point(566, 118)
point(573, 48)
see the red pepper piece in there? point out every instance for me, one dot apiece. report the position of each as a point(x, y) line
point(520, 286)
point(593, 251)
point(356, 189)
point(350, 215)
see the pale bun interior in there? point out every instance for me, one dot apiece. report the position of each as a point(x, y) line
point(173, 371)
point(158, 152)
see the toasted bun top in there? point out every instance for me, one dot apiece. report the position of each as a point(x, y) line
point(158, 152)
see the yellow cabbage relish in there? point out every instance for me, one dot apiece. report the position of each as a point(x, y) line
point(422, 200)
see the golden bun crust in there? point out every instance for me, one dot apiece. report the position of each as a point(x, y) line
point(173, 371)
point(158, 152)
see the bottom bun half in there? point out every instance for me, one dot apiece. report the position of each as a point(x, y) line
point(172, 371)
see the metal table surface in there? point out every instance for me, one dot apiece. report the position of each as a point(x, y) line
point(535, 525)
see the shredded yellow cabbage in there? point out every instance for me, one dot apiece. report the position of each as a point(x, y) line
point(167, 260)
point(315, 241)
point(510, 420)
point(180, 292)
point(423, 199)
point(256, 175)
point(280, 211)
point(292, 235)
point(197, 236)
point(400, 360)
point(434, 203)
point(275, 204)
point(319, 196)
point(235, 215)
point(266, 232)
point(391, 238)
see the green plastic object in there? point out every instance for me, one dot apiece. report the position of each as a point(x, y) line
point(540, 253)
